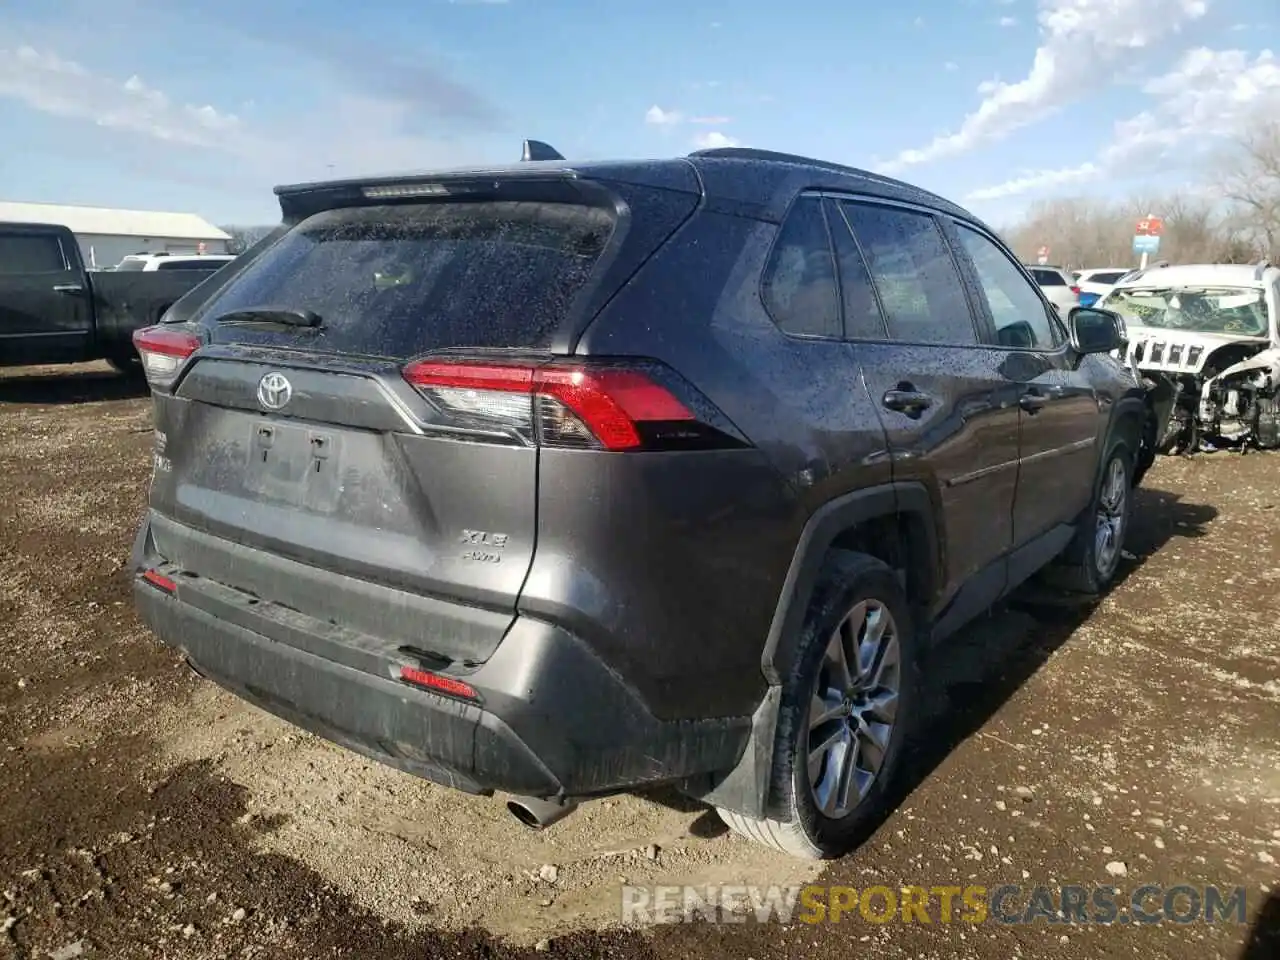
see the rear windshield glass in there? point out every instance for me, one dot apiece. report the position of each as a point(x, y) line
point(400, 280)
point(1105, 277)
point(1049, 278)
point(132, 265)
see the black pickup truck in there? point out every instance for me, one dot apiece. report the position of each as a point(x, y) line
point(53, 310)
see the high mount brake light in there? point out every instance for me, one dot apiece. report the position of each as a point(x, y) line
point(557, 406)
point(163, 352)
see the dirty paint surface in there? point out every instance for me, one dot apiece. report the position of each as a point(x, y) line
point(146, 813)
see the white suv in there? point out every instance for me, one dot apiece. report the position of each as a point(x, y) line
point(1057, 286)
point(1096, 282)
point(173, 261)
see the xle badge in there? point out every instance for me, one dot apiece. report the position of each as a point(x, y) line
point(484, 546)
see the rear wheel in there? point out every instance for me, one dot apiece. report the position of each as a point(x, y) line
point(844, 716)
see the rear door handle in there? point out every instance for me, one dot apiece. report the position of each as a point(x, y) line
point(68, 288)
point(910, 402)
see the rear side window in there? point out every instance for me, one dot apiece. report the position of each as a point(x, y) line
point(132, 266)
point(398, 281)
point(1049, 278)
point(799, 286)
point(914, 273)
point(30, 253)
point(208, 266)
point(862, 317)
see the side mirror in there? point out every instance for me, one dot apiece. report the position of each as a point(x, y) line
point(1094, 330)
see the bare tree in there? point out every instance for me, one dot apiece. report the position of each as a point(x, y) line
point(242, 238)
point(1199, 227)
point(1252, 185)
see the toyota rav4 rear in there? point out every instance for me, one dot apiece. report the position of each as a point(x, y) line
point(391, 504)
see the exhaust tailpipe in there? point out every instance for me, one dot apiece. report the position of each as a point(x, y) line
point(540, 814)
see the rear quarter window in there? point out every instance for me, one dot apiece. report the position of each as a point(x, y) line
point(398, 281)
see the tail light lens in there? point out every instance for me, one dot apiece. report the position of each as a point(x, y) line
point(578, 406)
point(163, 352)
point(1076, 291)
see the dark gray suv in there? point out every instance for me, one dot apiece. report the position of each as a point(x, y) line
point(565, 479)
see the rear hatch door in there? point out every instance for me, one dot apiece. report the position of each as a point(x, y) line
point(292, 434)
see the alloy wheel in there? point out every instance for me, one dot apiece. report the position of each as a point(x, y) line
point(854, 707)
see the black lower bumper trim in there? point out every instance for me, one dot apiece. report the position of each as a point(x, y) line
point(555, 720)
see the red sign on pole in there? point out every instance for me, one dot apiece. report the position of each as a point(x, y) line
point(1042, 255)
point(1150, 226)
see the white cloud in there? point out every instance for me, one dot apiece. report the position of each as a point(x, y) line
point(1008, 21)
point(1084, 44)
point(918, 22)
point(346, 134)
point(950, 66)
point(714, 139)
point(50, 84)
point(658, 117)
point(1209, 96)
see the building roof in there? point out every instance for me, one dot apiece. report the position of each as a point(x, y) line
point(105, 221)
point(1201, 275)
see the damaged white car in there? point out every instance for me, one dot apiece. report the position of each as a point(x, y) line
point(1211, 332)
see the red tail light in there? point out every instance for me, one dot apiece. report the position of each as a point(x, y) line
point(163, 352)
point(434, 681)
point(1076, 291)
point(559, 406)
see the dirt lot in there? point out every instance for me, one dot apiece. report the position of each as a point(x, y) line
point(145, 813)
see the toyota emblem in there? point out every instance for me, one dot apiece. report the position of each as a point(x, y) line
point(274, 391)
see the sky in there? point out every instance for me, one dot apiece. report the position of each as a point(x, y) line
point(205, 106)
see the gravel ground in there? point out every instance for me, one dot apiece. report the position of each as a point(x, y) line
point(146, 813)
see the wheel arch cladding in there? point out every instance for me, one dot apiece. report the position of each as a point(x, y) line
point(906, 508)
point(841, 524)
point(1126, 424)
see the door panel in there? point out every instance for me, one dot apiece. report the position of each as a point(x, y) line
point(950, 415)
point(1058, 451)
point(45, 306)
point(1058, 409)
point(964, 446)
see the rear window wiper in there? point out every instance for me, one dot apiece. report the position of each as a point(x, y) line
point(274, 316)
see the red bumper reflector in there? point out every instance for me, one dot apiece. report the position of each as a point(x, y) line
point(433, 681)
point(160, 581)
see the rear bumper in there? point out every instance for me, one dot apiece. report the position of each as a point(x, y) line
point(553, 720)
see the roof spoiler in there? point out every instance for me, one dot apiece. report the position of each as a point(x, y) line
point(537, 150)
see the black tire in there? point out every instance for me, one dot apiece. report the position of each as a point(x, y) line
point(1087, 566)
point(1147, 448)
point(797, 826)
point(129, 365)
